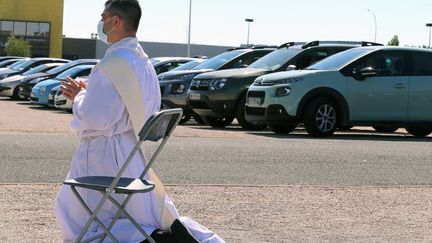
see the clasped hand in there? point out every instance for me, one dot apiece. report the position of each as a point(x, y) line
point(72, 87)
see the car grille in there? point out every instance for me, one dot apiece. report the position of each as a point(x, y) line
point(200, 84)
point(61, 102)
point(256, 94)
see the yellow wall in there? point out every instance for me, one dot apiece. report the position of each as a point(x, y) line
point(38, 10)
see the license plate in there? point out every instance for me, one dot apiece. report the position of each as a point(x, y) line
point(254, 101)
point(194, 96)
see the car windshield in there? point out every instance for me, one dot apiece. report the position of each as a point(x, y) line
point(339, 60)
point(154, 61)
point(186, 66)
point(69, 72)
point(62, 68)
point(16, 65)
point(276, 59)
point(37, 69)
point(219, 60)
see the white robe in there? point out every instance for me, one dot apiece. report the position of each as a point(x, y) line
point(104, 127)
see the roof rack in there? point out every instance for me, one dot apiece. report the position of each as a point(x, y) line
point(361, 43)
point(251, 47)
point(289, 44)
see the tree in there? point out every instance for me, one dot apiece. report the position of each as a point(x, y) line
point(17, 47)
point(394, 41)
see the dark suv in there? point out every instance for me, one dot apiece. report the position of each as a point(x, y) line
point(175, 84)
point(219, 97)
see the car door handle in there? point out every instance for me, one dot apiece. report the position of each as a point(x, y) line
point(399, 86)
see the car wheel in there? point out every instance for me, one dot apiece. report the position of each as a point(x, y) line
point(217, 122)
point(281, 128)
point(184, 119)
point(385, 129)
point(240, 115)
point(15, 94)
point(320, 117)
point(420, 132)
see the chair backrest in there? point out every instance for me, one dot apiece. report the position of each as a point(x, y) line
point(159, 126)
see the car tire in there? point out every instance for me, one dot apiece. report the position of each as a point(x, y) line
point(420, 132)
point(240, 115)
point(385, 129)
point(320, 117)
point(15, 94)
point(217, 122)
point(281, 128)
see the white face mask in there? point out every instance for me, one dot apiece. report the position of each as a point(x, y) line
point(101, 33)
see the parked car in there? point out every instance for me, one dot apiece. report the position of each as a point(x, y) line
point(165, 64)
point(29, 82)
point(10, 86)
point(8, 62)
point(14, 65)
point(41, 91)
point(28, 64)
point(219, 97)
point(383, 87)
point(175, 84)
point(189, 65)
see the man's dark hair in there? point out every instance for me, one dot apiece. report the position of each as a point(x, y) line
point(128, 10)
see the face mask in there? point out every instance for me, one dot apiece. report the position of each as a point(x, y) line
point(101, 33)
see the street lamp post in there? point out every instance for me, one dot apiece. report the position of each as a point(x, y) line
point(429, 25)
point(373, 14)
point(189, 29)
point(248, 21)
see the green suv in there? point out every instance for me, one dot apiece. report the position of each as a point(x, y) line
point(219, 97)
point(384, 87)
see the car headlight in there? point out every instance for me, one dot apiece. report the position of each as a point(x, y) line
point(288, 80)
point(43, 89)
point(217, 83)
point(177, 88)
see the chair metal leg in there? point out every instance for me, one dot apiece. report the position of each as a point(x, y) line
point(116, 216)
point(92, 216)
point(137, 226)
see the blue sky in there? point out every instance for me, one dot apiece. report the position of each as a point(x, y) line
point(221, 22)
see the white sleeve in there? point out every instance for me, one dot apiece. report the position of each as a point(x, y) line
point(99, 107)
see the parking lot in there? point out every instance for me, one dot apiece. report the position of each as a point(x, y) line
point(357, 185)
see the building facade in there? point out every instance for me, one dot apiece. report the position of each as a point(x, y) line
point(75, 48)
point(38, 21)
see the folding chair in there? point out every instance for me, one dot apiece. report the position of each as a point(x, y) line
point(159, 126)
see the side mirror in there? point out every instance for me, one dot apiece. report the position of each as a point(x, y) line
point(364, 73)
point(291, 67)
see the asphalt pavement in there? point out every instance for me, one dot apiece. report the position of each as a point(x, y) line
point(354, 158)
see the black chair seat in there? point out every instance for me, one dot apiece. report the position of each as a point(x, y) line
point(101, 183)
